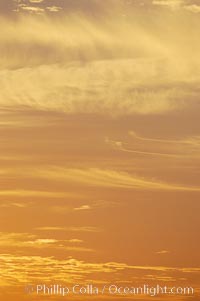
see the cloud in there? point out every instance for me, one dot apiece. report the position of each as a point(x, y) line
point(20, 269)
point(191, 141)
point(63, 209)
point(70, 229)
point(185, 148)
point(32, 241)
point(65, 89)
point(75, 240)
point(90, 67)
point(36, 1)
point(122, 146)
point(97, 205)
point(72, 38)
point(108, 178)
point(193, 8)
point(19, 205)
point(83, 207)
point(169, 3)
point(32, 193)
point(75, 93)
point(31, 9)
point(53, 9)
point(178, 4)
point(92, 177)
point(163, 252)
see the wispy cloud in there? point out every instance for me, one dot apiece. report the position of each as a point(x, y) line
point(169, 3)
point(178, 4)
point(74, 96)
point(100, 204)
point(32, 193)
point(96, 177)
point(109, 178)
point(163, 252)
point(92, 67)
point(20, 269)
point(19, 205)
point(83, 207)
point(187, 148)
point(191, 141)
point(70, 229)
point(194, 8)
point(31, 241)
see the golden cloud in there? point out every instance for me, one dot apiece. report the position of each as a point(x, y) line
point(93, 67)
point(20, 269)
point(32, 241)
point(108, 178)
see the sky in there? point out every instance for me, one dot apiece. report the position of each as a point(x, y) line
point(99, 145)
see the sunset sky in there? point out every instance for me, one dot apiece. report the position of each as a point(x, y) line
point(99, 145)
